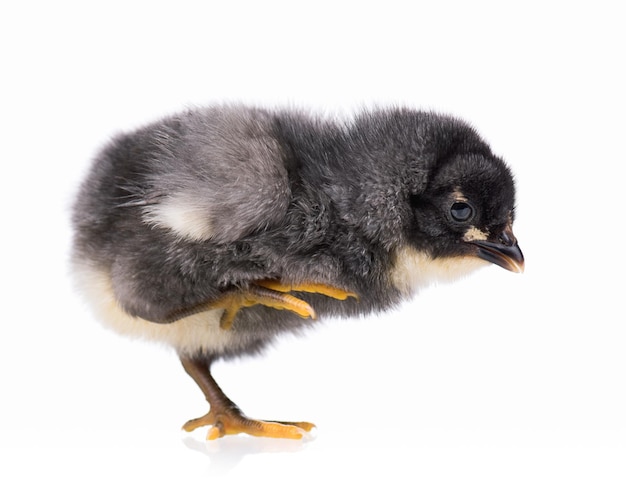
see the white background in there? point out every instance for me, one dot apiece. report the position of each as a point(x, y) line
point(499, 387)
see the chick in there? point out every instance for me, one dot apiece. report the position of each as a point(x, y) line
point(216, 229)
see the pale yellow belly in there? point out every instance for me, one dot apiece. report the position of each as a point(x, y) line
point(199, 332)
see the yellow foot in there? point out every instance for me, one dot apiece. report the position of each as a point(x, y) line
point(274, 294)
point(234, 301)
point(233, 422)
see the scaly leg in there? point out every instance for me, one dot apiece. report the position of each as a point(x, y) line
point(225, 418)
point(326, 290)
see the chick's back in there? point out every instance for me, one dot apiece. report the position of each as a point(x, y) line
point(159, 221)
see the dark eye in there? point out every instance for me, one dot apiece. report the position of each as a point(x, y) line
point(461, 211)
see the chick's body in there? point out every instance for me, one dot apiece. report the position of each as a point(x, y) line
point(220, 202)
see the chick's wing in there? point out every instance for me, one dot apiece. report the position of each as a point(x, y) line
point(217, 175)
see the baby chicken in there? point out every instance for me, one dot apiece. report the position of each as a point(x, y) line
point(217, 229)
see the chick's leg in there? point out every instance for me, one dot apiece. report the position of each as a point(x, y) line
point(317, 288)
point(225, 418)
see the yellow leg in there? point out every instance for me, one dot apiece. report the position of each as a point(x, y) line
point(225, 418)
point(326, 290)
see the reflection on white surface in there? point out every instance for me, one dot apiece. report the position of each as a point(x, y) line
point(439, 463)
point(226, 453)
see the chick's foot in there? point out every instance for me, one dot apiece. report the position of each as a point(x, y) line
point(233, 422)
point(274, 294)
point(225, 418)
point(234, 301)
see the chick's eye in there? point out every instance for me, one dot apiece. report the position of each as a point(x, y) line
point(461, 211)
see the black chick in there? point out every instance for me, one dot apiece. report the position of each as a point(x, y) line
point(216, 229)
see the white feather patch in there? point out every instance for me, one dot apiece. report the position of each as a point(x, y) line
point(182, 215)
point(414, 270)
point(199, 332)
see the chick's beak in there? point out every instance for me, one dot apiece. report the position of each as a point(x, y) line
point(502, 250)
